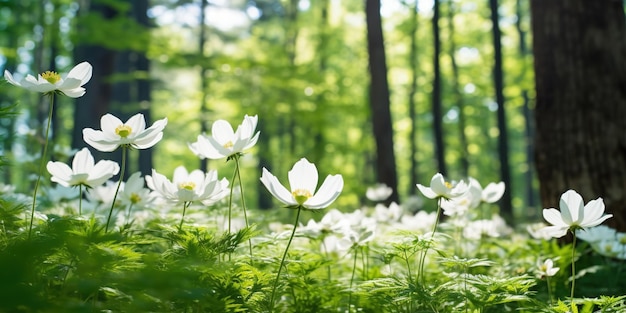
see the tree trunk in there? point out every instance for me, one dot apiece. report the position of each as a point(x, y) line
point(580, 72)
point(440, 153)
point(379, 99)
point(96, 101)
point(414, 68)
point(456, 93)
point(503, 140)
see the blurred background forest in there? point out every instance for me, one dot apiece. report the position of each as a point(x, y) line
point(455, 77)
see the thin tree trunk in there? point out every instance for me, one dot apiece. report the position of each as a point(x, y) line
point(456, 92)
point(506, 208)
point(143, 85)
point(527, 111)
point(437, 109)
point(204, 80)
point(379, 99)
point(414, 67)
point(580, 71)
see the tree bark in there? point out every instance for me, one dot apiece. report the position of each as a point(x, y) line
point(379, 99)
point(506, 208)
point(580, 70)
point(437, 109)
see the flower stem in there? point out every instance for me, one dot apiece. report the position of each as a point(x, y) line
point(185, 206)
point(41, 163)
point(80, 200)
point(293, 232)
point(432, 235)
point(549, 289)
point(573, 266)
point(243, 200)
point(356, 253)
point(119, 183)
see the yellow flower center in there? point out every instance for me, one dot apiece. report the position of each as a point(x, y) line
point(135, 198)
point(301, 195)
point(51, 77)
point(228, 145)
point(123, 130)
point(622, 240)
point(187, 185)
point(448, 185)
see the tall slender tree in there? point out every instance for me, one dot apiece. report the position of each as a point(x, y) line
point(437, 105)
point(506, 208)
point(456, 91)
point(379, 99)
point(414, 68)
point(580, 72)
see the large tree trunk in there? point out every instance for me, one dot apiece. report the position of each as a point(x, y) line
point(579, 49)
point(379, 99)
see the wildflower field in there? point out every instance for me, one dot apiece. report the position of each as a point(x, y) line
point(187, 242)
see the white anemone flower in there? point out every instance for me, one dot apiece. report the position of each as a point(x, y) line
point(225, 142)
point(574, 215)
point(440, 188)
point(133, 133)
point(379, 192)
point(546, 268)
point(49, 82)
point(83, 171)
point(133, 192)
point(303, 179)
point(187, 187)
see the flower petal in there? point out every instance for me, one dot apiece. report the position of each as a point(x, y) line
point(83, 162)
point(427, 192)
point(222, 132)
point(276, 188)
point(328, 192)
point(82, 72)
point(303, 176)
point(554, 217)
point(571, 206)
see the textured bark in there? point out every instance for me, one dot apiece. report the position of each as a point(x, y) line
point(579, 49)
point(379, 99)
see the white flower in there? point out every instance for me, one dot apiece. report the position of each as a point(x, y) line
point(493, 192)
point(83, 171)
point(538, 231)
point(546, 268)
point(380, 192)
point(390, 214)
point(133, 192)
point(189, 186)
point(133, 133)
point(303, 181)
point(595, 234)
point(439, 188)
point(48, 81)
point(574, 215)
point(225, 142)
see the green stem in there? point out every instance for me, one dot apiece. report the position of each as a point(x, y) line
point(230, 197)
point(41, 164)
point(422, 265)
point(356, 253)
point(573, 266)
point(293, 232)
point(549, 289)
point(243, 201)
point(119, 183)
point(80, 200)
point(185, 206)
